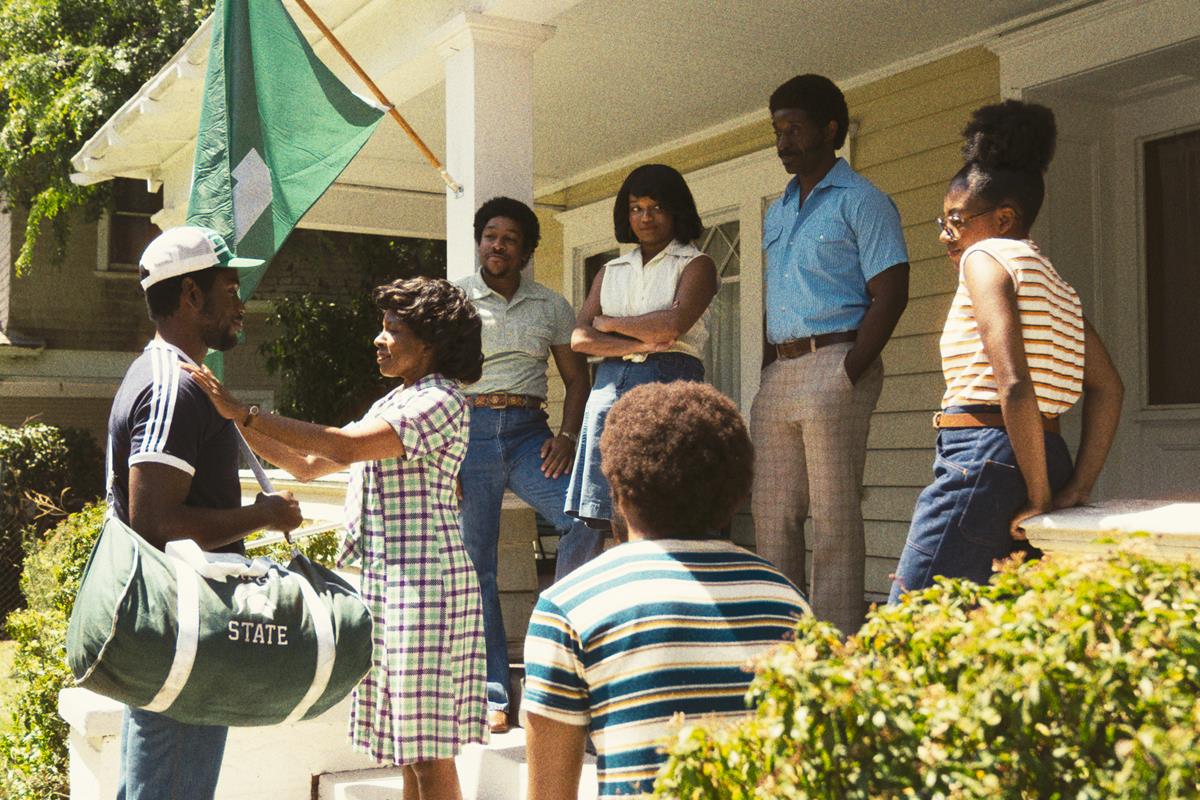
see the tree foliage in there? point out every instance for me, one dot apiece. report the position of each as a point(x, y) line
point(65, 67)
point(323, 352)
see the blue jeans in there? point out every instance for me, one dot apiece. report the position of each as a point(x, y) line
point(589, 496)
point(162, 759)
point(961, 521)
point(504, 451)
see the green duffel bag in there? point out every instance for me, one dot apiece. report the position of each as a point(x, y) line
point(215, 639)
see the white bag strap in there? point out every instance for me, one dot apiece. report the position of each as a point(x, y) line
point(326, 651)
point(216, 566)
point(187, 639)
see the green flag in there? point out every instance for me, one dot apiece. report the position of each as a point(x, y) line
point(276, 129)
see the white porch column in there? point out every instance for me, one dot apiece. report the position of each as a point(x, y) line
point(489, 120)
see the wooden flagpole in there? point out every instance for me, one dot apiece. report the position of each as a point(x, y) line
point(453, 185)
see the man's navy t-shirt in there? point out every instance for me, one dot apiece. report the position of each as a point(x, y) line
point(160, 415)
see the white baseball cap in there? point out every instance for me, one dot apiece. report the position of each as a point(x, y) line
point(189, 248)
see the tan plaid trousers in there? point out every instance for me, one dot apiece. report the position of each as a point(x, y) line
point(810, 426)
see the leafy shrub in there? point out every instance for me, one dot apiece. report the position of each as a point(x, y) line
point(61, 464)
point(1073, 678)
point(34, 753)
point(323, 352)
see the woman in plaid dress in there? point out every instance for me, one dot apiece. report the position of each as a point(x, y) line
point(425, 696)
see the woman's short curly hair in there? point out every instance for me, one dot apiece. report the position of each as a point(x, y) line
point(678, 457)
point(439, 314)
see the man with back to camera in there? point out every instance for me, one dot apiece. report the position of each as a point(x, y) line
point(836, 281)
point(665, 622)
point(173, 474)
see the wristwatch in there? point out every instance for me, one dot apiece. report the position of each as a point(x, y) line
point(251, 414)
point(573, 438)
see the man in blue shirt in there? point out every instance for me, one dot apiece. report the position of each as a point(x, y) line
point(836, 284)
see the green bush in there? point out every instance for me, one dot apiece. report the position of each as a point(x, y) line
point(64, 466)
point(34, 753)
point(1066, 678)
point(323, 352)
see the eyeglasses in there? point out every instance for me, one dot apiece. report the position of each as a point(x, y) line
point(953, 224)
point(646, 211)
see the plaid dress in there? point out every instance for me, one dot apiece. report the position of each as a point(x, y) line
point(425, 696)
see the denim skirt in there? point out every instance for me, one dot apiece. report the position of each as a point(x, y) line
point(961, 522)
point(588, 495)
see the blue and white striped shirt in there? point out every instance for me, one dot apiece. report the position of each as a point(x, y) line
point(820, 255)
point(648, 630)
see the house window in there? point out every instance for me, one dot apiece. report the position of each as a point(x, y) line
point(722, 355)
point(129, 225)
point(1172, 202)
point(591, 268)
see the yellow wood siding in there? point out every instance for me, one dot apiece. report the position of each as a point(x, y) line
point(908, 143)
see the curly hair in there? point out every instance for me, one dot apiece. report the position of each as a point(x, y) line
point(819, 98)
point(668, 187)
point(678, 457)
point(439, 313)
point(518, 212)
point(1007, 148)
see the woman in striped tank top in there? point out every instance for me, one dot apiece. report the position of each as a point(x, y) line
point(1017, 353)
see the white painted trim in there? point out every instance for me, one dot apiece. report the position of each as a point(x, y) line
point(469, 29)
point(1092, 37)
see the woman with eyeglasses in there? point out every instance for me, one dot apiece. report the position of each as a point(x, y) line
point(1017, 353)
point(646, 315)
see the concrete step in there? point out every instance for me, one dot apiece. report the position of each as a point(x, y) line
point(495, 771)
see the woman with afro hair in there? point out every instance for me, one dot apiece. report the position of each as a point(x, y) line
point(1017, 353)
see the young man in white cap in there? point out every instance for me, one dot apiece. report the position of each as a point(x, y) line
point(173, 474)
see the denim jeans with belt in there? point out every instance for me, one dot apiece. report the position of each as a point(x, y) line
point(162, 759)
point(589, 496)
point(504, 452)
point(961, 521)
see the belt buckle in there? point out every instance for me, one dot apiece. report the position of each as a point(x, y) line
point(497, 401)
point(937, 418)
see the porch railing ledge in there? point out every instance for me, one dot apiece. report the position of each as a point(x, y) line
point(1161, 528)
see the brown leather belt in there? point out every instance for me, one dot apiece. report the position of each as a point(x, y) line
point(984, 419)
point(794, 348)
point(500, 400)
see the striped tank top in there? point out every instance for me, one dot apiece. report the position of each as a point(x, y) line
point(1051, 324)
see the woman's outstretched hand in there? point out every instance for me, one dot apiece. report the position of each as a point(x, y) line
point(226, 404)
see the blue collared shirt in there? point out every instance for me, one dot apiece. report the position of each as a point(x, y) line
point(821, 254)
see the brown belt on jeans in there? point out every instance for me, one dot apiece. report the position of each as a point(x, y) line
point(504, 400)
point(984, 419)
point(794, 348)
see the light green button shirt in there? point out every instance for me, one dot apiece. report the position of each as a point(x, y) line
point(517, 335)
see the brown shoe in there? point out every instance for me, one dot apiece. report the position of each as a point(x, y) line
point(498, 721)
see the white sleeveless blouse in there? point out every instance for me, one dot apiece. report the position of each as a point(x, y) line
point(631, 288)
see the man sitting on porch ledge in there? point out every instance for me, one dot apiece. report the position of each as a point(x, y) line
point(621, 645)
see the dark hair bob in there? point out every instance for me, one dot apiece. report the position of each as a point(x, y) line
point(518, 212)
point(439, 314)
point(1007, 148)
point(819, 98)
point(670, 190)
point(677, 456)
